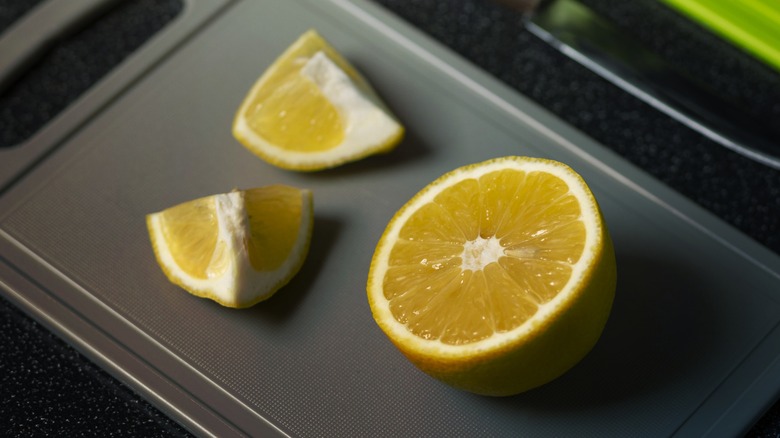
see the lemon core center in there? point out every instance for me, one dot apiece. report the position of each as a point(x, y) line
point(481, 252)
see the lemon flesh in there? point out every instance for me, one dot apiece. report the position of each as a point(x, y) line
point(237, 248)
point(497, 277)
point(312, 110)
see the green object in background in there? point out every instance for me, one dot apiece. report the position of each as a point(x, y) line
point(753, 25)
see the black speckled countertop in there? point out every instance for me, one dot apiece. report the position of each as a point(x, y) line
point(49, 389)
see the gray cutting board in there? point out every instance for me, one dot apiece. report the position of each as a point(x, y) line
point(691, 347)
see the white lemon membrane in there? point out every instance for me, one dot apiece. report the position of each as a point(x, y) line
point(367, 123)
point(478, 253)
point(232, 279)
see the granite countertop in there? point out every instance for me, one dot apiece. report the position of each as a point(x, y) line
point(50, 389)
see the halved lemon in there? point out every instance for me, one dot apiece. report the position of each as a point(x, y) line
point(312, 110)
point(497, 277)
point(235, 248)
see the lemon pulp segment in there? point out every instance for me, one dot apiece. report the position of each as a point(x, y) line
point(483, 263)
point(191, 232)
point(292, 113)
point(275, 215)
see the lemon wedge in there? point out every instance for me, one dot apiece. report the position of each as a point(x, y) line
point(236, 248)
point(312, 110)
point(497, 277)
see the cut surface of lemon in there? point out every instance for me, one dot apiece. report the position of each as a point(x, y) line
point(312, 110)
point(497, 277)
point(235, 248)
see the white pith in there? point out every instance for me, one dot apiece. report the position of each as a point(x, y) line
point(367, 123)
point(238, 283)
point(481, 252)
point(484, 251)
